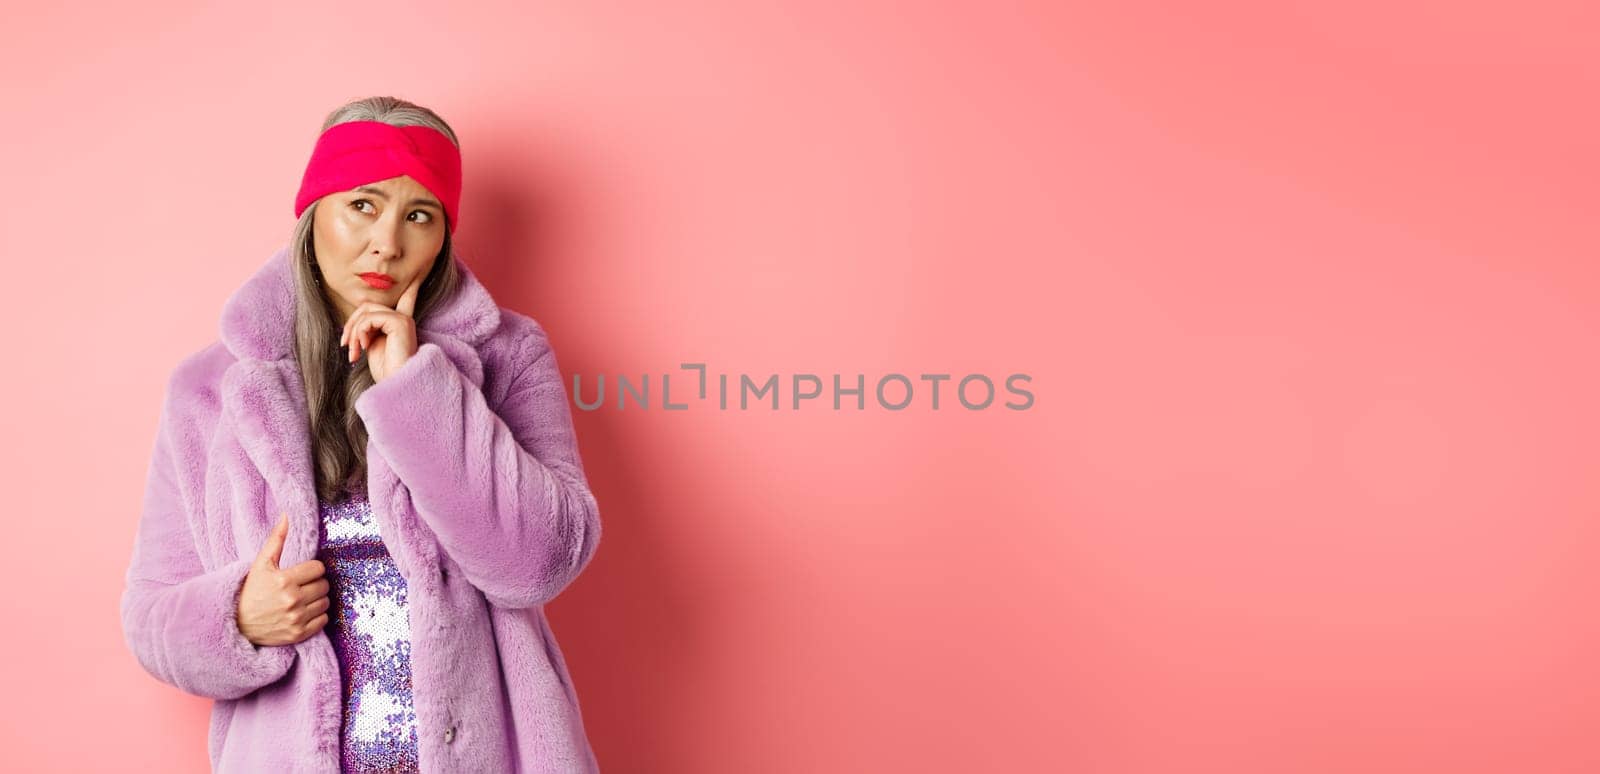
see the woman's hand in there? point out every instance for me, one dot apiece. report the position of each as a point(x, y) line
point(282, 606)
point(388, 335)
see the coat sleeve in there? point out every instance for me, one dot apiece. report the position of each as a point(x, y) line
point(177, 618)
point(504, 493)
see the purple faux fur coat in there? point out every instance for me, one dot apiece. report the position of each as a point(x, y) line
point(479, 493)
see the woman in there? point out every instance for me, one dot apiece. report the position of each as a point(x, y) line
point(362, 495)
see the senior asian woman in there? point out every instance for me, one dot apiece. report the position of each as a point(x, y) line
point(362, 495)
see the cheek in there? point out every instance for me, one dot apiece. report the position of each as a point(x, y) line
point(333, 246)
point(425, 246)
point(335, 234)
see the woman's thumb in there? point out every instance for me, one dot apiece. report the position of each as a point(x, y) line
point(272, 550)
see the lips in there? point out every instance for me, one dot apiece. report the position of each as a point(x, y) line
point(379, 281)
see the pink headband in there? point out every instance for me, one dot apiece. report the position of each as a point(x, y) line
point(358, 152)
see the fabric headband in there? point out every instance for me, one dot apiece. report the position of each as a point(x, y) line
point(358, 152)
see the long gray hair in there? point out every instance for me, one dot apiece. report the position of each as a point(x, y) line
point(332, 383)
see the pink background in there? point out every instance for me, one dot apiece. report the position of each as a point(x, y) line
point(1307, 295)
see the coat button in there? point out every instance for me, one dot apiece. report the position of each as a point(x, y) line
point(450, 735)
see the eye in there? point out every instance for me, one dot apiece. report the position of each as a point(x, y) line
point(357, 204)
point(426, 216)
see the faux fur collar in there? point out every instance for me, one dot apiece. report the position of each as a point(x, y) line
point(258, 319)
point(264, 404)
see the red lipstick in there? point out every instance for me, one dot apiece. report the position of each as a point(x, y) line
point(379, 281)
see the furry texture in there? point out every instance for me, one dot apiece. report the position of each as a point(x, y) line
point(477, 488)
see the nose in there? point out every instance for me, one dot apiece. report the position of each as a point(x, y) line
point(384, 239)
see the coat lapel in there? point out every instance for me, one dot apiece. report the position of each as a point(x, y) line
point(270, 420)
point(263, 401)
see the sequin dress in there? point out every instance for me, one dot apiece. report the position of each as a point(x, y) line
point(369, 625)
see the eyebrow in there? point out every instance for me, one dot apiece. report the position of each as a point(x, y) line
point(414, 202)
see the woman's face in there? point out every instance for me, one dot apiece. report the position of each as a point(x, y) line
point(393, 227)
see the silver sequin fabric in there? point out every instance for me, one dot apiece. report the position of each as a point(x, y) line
point(369, 624)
